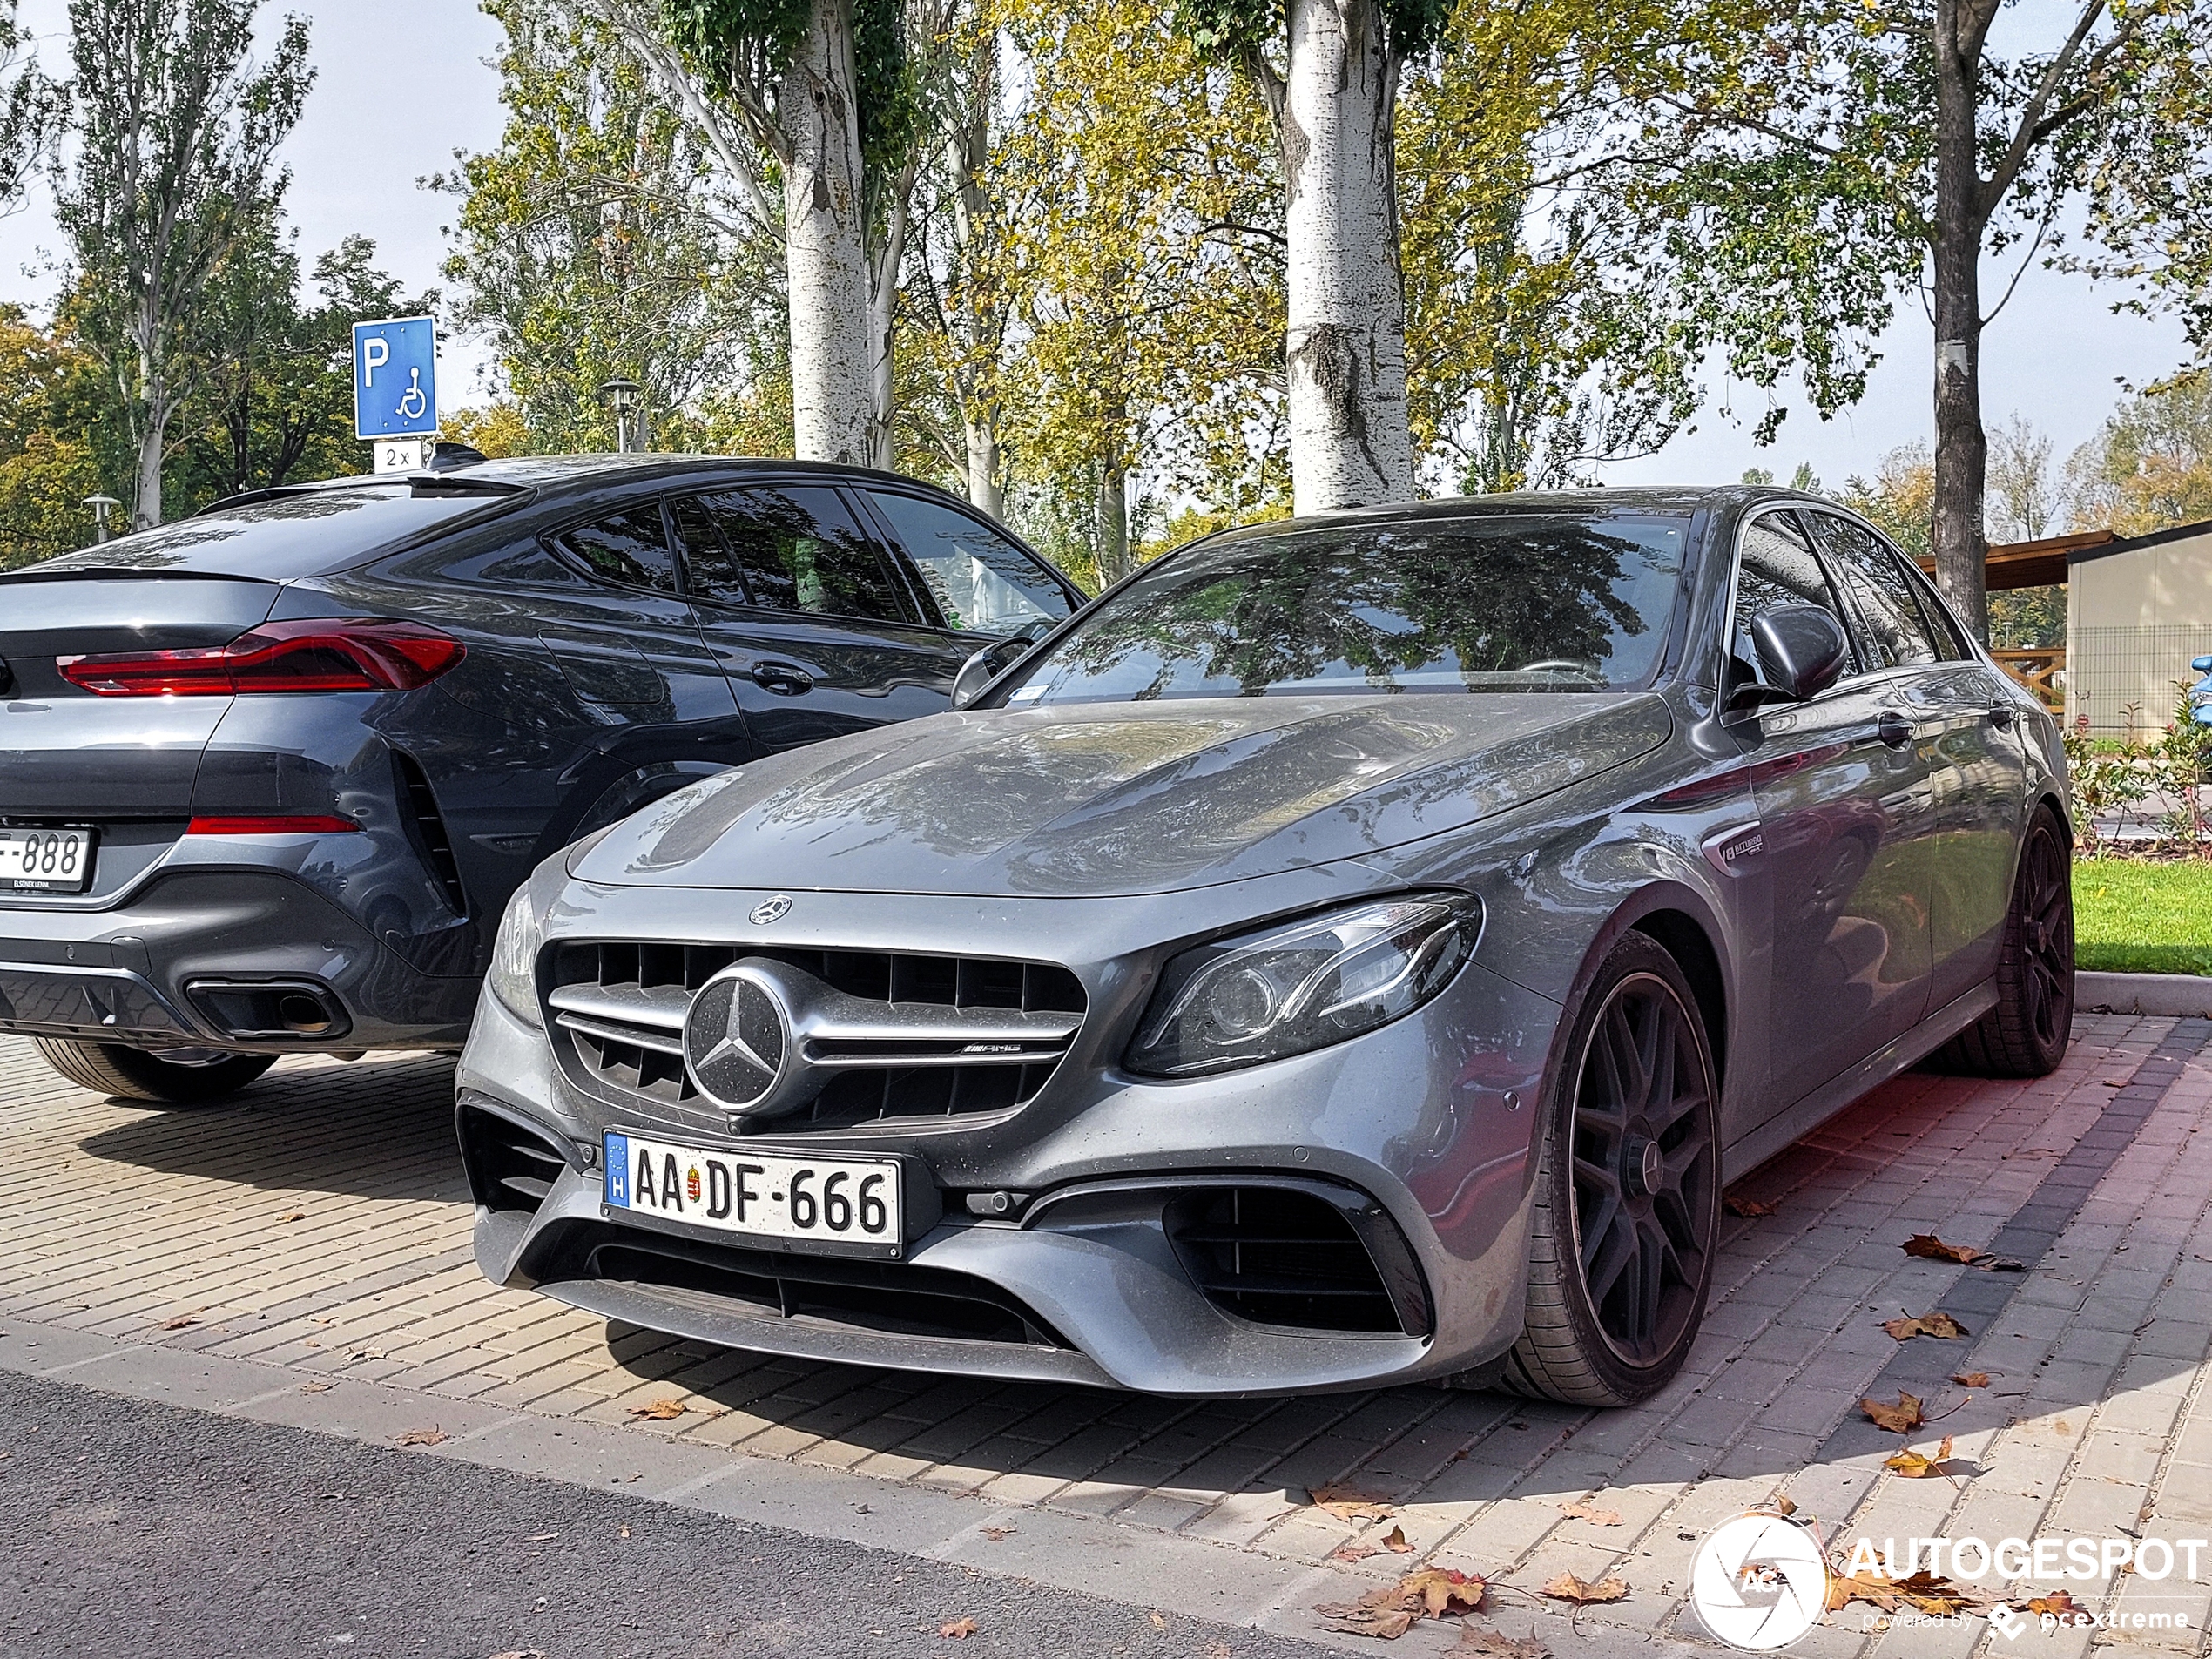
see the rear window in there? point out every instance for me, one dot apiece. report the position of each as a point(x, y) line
point(287, 536)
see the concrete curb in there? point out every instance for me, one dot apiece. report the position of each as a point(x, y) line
point(2176, 996)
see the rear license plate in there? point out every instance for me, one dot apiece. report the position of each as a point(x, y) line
point(46, 860)
point(760, 1195)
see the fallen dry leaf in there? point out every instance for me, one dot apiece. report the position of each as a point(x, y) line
point(2059, 1605)
point(1937, 1324)
point(1349, 1503)
point(1971, 1378)
point(1749, 1208)
point(622, 1532)
point(1496, 1644)
point(1391, 1611)
point(997, 1534)
point(1998, 1265)
point(1930, 1248)
point(1567, 1588)
point(431, 1436)
point(1901, 1418)
point(1917, 1466)
point(1159, 1623)
point(1924, 1591)
point(658, 1410)
point(1582, 1509)
point(180, 1322)
point(293, 1214)
point(1356, 1550)
point(314, 1388)
point(1394, 1542)
point(959, 1629)
point(1785, 1506)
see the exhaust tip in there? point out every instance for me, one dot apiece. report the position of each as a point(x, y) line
point(271, 1011)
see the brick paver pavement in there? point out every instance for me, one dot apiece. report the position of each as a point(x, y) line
point(320, 1223)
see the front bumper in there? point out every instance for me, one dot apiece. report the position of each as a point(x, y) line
point(1431, 1118)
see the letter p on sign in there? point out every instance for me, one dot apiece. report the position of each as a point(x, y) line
point(374, 354)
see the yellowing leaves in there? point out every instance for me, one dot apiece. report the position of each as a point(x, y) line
point(1928, 1247)
point(958, 1629)
point(1582, 1509)
point(1567, 1588)
point(1915, 1465)
point(1901, 1418)
point(1923, 1591)
point(657, 1410)
point(1351, 1503)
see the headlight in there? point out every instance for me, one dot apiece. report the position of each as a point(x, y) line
point(514, 957)
point(1304, 985)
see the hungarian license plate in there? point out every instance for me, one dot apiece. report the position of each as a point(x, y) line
point(761, 1195)
point(46, 860)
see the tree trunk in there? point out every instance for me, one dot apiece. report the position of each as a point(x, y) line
point(832, 355)
point(146, 512)
point(1962, 447)
point(1345, 350)
point(1113, 525)
point(985, 465)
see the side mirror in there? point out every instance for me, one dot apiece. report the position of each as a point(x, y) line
point(994, 660)
point(1802, 651)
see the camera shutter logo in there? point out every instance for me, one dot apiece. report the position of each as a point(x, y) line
point(1759, 1581)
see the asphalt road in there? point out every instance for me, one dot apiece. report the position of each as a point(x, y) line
point(132, 1529)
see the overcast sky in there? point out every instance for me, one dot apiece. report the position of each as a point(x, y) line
point(402, 84)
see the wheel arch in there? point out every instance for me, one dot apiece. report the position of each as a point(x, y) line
point(1677, 918)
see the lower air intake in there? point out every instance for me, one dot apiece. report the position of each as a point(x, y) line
point(1306, 1257)
point(510, 1167)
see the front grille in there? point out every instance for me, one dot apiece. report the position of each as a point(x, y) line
point(621, 1007)
point(1282, 1257)
point(894, 1298)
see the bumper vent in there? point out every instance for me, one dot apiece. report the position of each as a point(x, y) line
point(509, 1167)
point(891, 1297)
point(621, 1007)
point(428, 826)
point(1309, 1256)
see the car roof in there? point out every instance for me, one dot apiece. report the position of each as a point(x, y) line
point(1660, 498)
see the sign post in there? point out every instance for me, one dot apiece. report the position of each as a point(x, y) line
point(395, 390)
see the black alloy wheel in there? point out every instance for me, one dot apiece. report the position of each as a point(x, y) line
point(1629, 1196)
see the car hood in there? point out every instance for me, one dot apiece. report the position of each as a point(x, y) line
point(1094, 800)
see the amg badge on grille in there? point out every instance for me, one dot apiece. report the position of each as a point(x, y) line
point(737, 1038)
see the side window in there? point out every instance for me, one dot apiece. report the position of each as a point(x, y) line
point(1943, 628)
point(1774, 566)
point(710, 572)
point(796, 549)
point(1896, 634)
point(630, 547)
point(981, 582)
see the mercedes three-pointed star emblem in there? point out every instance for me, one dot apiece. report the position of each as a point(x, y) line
point(737, 1038)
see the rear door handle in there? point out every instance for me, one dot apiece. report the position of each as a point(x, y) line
point(2000, 715)
point(1894, 728)
point(785, 679)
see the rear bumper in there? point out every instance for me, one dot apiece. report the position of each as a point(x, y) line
point(141, 973)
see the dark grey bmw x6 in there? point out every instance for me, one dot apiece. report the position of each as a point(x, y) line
point(268, 775)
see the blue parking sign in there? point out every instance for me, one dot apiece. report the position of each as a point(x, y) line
point(395, 378)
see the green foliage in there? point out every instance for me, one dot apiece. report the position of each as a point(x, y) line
point(750, 42)
point(2149, 465)
point(51, 412)
point(727, 38)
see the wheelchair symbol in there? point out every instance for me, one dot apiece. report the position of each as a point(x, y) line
point(413, 403)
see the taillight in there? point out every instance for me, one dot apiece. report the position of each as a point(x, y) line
point(310, 654)
point(282, 824)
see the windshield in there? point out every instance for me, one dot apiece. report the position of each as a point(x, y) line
point(1532, 601)
point(283, 537)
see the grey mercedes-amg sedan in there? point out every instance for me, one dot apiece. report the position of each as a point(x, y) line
point(1351, 951)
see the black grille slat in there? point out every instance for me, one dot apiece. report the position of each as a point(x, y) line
point(1280, 1257)
point(429, 826)
point(858, 1095)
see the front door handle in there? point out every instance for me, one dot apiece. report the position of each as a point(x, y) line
point(2000, 715)
point(1894, 728)
point(785, 679)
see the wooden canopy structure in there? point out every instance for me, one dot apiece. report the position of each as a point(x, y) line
point(2032, 564)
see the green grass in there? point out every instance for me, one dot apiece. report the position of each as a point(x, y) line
point(2136, 918)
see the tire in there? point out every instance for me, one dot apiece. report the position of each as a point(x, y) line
point(124, 1073)
point(2026, 1035)
point(1636, 1073)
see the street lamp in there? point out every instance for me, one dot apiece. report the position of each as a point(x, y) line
point(623, 393)
point(101, 506)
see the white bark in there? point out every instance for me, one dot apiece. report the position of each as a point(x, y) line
point(986, 464)
point(833, 394)
point(1113, 526)
point(1350, 444)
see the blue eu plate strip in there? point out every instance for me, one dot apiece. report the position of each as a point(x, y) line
point(616, 1158)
